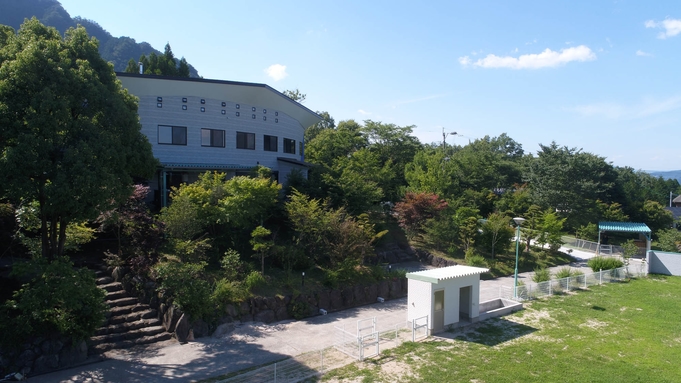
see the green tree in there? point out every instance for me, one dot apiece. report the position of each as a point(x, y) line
point(570, 182)
point(327, 122)
point(497, 232)
point(295, 95)
point(669, 240)
point(163, 65)
point(261, 244)
point(550, 230)
point(656, 217)
point(71, 136)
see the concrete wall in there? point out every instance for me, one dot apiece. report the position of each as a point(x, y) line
point(660, 262)
point(420, 300)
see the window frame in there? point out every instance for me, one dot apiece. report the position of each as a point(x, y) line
point(267, 143)
point(245, 136)
point(175, 131)
point(211, 138)
point(289, 146)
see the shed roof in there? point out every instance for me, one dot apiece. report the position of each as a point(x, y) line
point(436, 275)
point(624, 227)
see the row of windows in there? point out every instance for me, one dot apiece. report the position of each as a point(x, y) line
point(177, 135)
point(159, 103)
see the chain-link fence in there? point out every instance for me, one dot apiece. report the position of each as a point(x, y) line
point(558, 286)
point(605, 250)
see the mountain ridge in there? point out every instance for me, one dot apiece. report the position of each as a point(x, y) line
point(118, 50)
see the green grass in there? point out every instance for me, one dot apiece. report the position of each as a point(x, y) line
point(619, 332)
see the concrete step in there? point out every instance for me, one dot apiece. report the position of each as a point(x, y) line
point(104, 280)
point(112, 287)
point(127, 326)
point(127, 301)
point(146, 314)
point(103, 347)
point(114, 295)
point(129, 335)
point(125, 310)
point(101, 273)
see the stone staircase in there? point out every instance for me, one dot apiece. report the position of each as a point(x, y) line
point(128, 322)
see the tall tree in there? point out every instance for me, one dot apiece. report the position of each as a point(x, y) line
point(70, 135)
point(295, 95)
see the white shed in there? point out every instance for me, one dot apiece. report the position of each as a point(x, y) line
point(446, 295)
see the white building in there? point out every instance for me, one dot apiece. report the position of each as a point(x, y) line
point(196, 125)
point(446, 295)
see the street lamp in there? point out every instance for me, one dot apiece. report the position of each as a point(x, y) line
point(518, 221)
point(444, 137)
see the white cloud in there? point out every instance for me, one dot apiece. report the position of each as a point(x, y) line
point(646, 108)
point(546, 59)
point(363, 112)
point(672, 27)
point(643, 54)
point(276, 71)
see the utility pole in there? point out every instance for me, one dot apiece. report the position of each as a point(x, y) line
point(444, 138)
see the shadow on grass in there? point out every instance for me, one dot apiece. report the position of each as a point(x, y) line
point(491, 332)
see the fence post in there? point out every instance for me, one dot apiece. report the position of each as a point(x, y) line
point(322, 354)
point(585, 281)
point(568, 284)
point(600, 276)
point(275, 373)
point(550, 292)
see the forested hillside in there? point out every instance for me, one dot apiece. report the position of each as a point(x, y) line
point(118, 50)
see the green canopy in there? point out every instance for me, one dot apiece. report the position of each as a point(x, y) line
point(625, 227)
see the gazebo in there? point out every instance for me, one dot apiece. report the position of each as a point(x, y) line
point(624, 227)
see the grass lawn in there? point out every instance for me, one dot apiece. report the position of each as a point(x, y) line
point(618, 332)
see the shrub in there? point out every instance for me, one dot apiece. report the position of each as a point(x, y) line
point(604, 263)
point(231, 265)
point(565, 272)
point(254, 280)
point(186, 283)
point(58, 299)
point(473, 259)
point(476, 261)
point(299, 309)
point(541, 275)
point(226, 292)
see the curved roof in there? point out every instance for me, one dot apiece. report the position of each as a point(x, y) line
point(624, 227)
point(249, 93)
point(436, 275)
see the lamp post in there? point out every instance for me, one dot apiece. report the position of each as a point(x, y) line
point(303, 284)
point(518, 221)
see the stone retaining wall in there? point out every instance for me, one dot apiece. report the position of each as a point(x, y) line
point(42, 355)
point(433, 260)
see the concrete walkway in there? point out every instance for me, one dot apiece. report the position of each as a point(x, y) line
point(252, 344)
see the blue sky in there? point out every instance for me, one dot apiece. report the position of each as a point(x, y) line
point(598, 75)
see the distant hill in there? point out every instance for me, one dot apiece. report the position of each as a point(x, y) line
point(118, 50)
point(668, 175)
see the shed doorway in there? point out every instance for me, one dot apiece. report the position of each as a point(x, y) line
point(465, 303)
point(439, 310)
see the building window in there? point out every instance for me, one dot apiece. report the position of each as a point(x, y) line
point(184, 107)
point(237, 106)
point(253, 109)
point(203, 109)
point(238, 114)
point(159, 105)
point(223, 111)
point(213, 137)
point(276, 113)
point(172, 135)
point(224, 104)
point(184, 99)
point(264, 111)
point(159, 99)
point(276, 120)
point(245, 140)
point(271, 143)
point(289, 146)
point(203, 101)
point(264, 118)
point(253, 116)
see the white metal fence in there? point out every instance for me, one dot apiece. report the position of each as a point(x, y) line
point(368, 339)
point(557, 286)
point(605, 250)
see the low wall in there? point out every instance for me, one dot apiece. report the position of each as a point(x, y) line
point(433, 260)
point(661, 262)
point(498, 307)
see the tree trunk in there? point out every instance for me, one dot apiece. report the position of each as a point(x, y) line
point(62, 236)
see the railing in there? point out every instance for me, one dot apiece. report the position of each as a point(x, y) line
point(557, 286)
point(419, 328)
point(605, 250)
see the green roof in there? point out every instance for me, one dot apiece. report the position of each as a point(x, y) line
point(624, 227)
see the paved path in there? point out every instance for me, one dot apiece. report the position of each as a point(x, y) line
point(251, 344)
